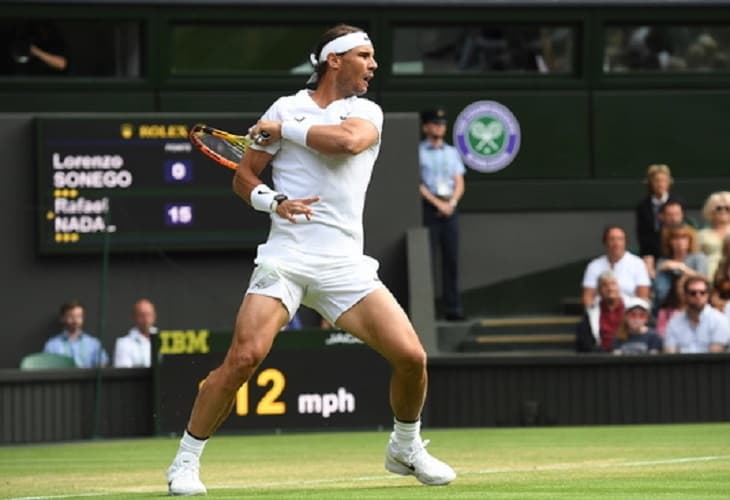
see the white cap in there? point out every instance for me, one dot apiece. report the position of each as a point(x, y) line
point(634, 302)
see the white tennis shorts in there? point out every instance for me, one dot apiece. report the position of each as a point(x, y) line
point(329, 285)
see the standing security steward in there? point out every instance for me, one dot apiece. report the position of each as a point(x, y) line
point(442, 186)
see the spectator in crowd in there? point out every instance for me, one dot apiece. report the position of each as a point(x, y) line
point(673, 303)
point(716, 212)
point(86, 350)
point(671, 214)
point(650, 47)
point(597, 330)
point(134, 350)
point(648, 221)
point(634, 335)
point(680, 257)
point(720, 296)
point(442, 186)
point(631, 273)
point(39, 49)
point(295, 323)
point(700, 328)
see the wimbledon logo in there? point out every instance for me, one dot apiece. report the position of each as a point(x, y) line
point(487, 135)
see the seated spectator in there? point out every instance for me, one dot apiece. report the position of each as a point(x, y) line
point(716, 213)
point(134, 350)
point(700, 328)
point(672, 214)
point(597, 330)
point(648, 223)
point(673, 304)
point(680, 257)
point(721, 281)
point(631, 273)
point(295, 323)
point(39, 49)
point(86, 350)
point(634, 336)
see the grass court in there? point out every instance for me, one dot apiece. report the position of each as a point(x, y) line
point(634, 462)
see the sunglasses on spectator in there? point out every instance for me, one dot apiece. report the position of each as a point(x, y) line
point(722, 208)
point(696, 292)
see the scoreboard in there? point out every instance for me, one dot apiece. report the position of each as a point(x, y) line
point(137, 184)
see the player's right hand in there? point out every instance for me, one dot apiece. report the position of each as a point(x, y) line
point(269, 129)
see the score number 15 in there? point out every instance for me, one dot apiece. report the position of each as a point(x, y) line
point(178, 214)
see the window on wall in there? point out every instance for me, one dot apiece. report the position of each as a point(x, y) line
point(670, 48)
point(71, 48)
point(484, 48)
point(240, 49)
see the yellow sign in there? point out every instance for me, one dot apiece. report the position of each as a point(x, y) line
point(163, 131)
point(154, 131)
point(184, 341)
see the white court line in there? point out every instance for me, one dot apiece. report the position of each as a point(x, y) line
point(583, 465)
point(49, 497)
point(306, 482)
point(675, 461)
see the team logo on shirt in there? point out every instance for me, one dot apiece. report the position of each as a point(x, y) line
point(487, 135)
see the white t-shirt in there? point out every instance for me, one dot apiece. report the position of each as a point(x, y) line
point(340, 181)
point(133, 350)
point(630, 272)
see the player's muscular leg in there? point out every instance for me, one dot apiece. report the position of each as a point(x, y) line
point(258, 321)
point(379, 321)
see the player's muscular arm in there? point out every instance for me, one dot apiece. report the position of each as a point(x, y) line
point(248, 171)
point(350, 137)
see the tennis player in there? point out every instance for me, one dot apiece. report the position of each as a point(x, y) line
point(321, 144)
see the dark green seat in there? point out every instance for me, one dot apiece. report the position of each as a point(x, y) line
point(44, 361)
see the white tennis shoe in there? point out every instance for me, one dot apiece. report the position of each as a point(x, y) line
point(183, 476)
point(414, 460)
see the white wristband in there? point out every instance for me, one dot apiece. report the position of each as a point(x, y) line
point(262, 197)
point(295, 131)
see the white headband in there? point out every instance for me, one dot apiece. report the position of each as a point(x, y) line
point(343, 44)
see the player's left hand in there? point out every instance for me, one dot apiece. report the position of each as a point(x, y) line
point(289, 209)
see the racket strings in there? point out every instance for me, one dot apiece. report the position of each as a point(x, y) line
point(227, 149)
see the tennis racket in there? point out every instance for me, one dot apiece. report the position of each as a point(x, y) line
point(223, 147)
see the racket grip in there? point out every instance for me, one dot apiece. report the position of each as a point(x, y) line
point(259, 138)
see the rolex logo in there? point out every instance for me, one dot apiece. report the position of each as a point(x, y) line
point(127, 130)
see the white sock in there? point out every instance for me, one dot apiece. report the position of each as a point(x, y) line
point(406, 432)
point(191, 445)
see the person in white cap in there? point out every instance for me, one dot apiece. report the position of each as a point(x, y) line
point(321, 145)
point(634, 336)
